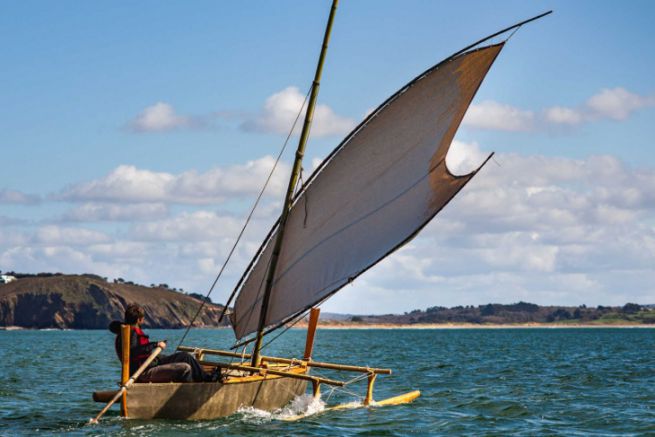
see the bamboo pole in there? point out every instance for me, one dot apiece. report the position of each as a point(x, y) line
point(369, 389)
point(332, 366)
point(311, 330)
point(295, 174)
point(125, 360)
point(129, 382)
point(263, 370)
point(349, 368)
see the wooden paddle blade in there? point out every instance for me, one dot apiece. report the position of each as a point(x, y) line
point(398, 400)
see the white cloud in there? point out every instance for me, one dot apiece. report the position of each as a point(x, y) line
point(121, 249)
point(158, 118)
point(562, 115)
point(208, 266)
point(464, 158)
point(496, 116)
point(520, 250)
point(316, 162)
point(127, 183)
point(281, 109)
point(194, 226)
point(91, 212)
point(12, 196)
point(615, 104)
point(57, 235)
point(62, 259)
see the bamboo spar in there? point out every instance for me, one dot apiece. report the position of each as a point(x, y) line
point(311, 331)
point(295, 173)
point(125, 360)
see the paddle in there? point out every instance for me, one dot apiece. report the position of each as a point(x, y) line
point(129, 382)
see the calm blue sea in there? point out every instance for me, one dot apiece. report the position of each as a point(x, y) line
point(474, 382)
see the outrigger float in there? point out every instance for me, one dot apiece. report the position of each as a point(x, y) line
point(374, 193)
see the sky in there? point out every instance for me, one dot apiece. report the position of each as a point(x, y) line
point(134, 138)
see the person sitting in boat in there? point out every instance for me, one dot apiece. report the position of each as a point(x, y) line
point(178, 367)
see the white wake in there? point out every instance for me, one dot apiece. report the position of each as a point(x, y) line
point(301, 406)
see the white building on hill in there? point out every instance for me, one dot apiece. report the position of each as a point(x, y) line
point(5, 279)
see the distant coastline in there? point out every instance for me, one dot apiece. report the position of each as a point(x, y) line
point(89, 301)
point(417, 326)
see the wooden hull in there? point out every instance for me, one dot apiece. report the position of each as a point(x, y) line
point(198, 401)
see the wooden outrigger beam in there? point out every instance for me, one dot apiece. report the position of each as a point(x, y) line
point(332, 366)
point(264, 370)
point(345, 367)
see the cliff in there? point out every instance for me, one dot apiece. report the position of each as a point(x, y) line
point(89, 302)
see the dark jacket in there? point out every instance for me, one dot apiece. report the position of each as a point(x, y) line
point(140, 345)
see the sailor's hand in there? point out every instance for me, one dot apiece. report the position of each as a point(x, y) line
point(162, 344)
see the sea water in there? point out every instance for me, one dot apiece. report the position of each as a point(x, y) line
point(473, 382)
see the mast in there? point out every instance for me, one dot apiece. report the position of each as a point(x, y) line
point(295, 173)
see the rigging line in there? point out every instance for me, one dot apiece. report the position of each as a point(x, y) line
point(299, 313)
point(346, 383)
point(335, 389)
point(279, 156)
point(500, 32)
point(332, 390)
point(512, 34)
point(229, 300)
point(245, 225)
point(348, 392)
point(356, 379)
point(302, 315)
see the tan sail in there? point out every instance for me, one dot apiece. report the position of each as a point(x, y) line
point(383, 184)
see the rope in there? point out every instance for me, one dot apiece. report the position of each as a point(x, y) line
point(245, 225)
point(512, 34)
point(229, 300)
point(347, 383)
point(356, 379)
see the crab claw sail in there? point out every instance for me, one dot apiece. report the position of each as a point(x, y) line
point(373, 194)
